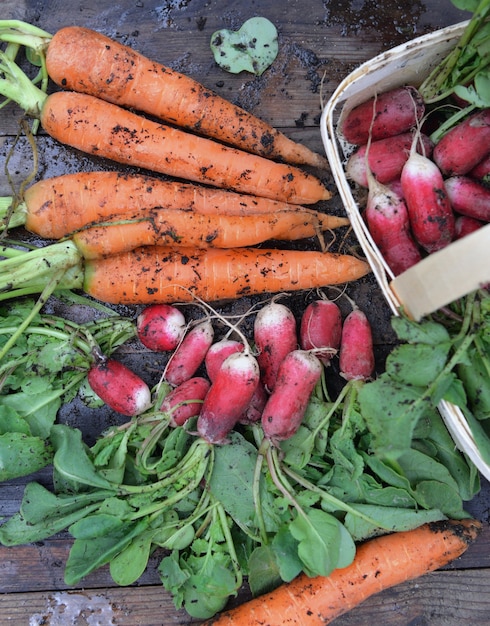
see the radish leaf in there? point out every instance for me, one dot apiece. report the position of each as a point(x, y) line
point(252, 48)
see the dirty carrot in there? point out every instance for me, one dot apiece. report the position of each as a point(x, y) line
point(379, 564)
point(160, 274)
point(185, 228)
point(55, 207)
point(108, 131)
point(165, 274)
point(84, 60)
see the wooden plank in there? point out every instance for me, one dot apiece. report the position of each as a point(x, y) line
point(437, 599)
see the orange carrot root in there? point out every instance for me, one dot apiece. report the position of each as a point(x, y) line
point(106, 130)
point(379, 564)
point(158, 274)
point(82, 60)
point(55, 207)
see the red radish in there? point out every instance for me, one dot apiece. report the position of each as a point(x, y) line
point(321, 327)
point(228, 397)
point(254, 410)
point(218, 352)
point(388, 222)
point(120, 388)
point(298, 374)
point(466, 225)
point(189, 354)
point(185, 401)
point(481, 171)
point(275, 335)
point(465, 145)
point(390, 113)
point(356, 356)
point(386, 158)
point(469, 197)
point(160, 327)
point(429, 210)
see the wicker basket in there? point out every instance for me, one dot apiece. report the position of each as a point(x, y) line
point(409, 63)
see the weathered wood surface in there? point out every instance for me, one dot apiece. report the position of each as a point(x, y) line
point(320, 43)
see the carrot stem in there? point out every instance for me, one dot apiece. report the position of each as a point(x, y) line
point(17, 86)
point(23, 273)
point(24, 34)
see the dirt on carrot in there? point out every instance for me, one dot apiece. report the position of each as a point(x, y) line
point(155, 273)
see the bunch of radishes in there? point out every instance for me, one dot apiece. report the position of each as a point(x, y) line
point(421, 195)
point(270, 381)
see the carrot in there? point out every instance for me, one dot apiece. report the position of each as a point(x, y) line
point(108, 131)
point(84, 60)
point(379, 564)
point(185, 228)
point(55, 207)
point(161, 274)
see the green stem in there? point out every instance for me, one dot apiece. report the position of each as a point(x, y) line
point(256, 497)
point(23, 273)
point(11, 216)
point(47, 291)
point(24, 34)
point(230, 544)
point(17, 86)
point(450, 122)
point(325, 495)
point(432, 87)
point(199, 452)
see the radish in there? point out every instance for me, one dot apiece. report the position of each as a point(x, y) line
point(386, 158)
point(189, 354)
point(465, 145)
point(275, 335)
point(254, 410)
point(469, 197)
point(218, 352)
point(356, 358)
point(388, 222)
point(160, 327)
point(228, 397)
point(321, 327)
point(120, 388)
point(390, 113)
point(466, 225)
point(481, 171)
point(296, 379)
point(185, 401)
point(430, 213)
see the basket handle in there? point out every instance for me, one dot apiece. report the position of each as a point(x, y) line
point(446, 275)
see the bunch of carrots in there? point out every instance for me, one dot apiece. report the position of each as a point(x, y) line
point(235, 183)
